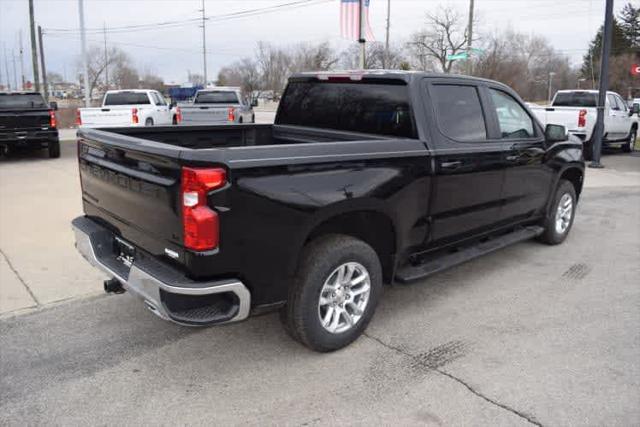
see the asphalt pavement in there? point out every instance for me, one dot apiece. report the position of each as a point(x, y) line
point(531, 334)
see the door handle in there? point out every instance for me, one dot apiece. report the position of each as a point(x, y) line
point(451, 165)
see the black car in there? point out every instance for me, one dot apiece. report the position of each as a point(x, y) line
point(26, 120)
point(365, 178)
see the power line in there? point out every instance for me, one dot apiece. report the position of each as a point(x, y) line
point(178, 23)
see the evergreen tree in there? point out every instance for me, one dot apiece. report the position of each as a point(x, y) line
point(630, 24)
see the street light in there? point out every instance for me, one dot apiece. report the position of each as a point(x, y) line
point(551, 74)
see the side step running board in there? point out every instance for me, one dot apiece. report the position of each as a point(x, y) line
point(415, 272)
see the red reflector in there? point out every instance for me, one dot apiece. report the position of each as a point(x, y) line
point(178, 115)
point(78, 118)
point(232, 114)
point(52, 119)
point(134, 115)
point(200, 223)
point(582, 118)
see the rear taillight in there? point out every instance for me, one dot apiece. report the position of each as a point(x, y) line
point(582, 118)
point(52, 119)
point(178, 115)
point(232, 114)
point(199, 222)
point(134, 116)
point(78, 118)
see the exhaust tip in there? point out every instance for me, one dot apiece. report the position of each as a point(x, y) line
point(113, 286)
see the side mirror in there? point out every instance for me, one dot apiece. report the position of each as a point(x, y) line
point(254, 102)
point(53, 105)
point(555, 133)
point(635, 109)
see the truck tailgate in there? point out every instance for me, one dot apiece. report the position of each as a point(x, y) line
point(132, 186)
point(24, 119)
point(204, 114)
point(104, 117)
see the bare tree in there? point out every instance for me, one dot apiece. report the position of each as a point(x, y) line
point(310, 57)
point(98, 61)
point(243, 73)
point(150, 80)
point(274, 65)
point(445, 34)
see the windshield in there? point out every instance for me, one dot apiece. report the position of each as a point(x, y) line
point(575, 99)
point(126, 98)
point(380, 107)
point(219, 97)
point(34, 100)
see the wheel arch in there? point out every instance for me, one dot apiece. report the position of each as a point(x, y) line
point(373, 226)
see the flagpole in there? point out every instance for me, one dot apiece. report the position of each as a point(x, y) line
point(361, 38)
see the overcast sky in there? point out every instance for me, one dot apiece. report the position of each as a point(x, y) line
point(170, 51)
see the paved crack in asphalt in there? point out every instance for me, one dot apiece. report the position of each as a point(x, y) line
point(15, 271)
point(529, 418)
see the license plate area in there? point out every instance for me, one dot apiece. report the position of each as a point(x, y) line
point(125, 252)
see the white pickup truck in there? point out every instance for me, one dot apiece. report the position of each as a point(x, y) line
point(577, 111)
point(216, 106)
point(135, 107)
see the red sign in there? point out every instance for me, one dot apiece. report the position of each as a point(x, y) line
point(635, 69)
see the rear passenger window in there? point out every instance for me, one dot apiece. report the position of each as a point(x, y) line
point(459, 112)
point(514, 121)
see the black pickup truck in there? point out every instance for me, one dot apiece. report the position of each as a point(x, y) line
point(26, 120)
point(365, 178)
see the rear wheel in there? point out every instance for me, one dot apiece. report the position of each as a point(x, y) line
point(148, 122)
point(630, 145)
point(334, 294)
point(54, 149)
point(559, 220)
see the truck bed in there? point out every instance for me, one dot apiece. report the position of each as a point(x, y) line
point(131, 176)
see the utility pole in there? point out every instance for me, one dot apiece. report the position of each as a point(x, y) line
point(34, 47)
point(15, 73)
point(604, 84)
point(204, 44)
point(470, 38)
point(85, 65)
point(551, 74)
point(361, 38)
point(22, 80)
point(386, 38)
point(106, 61)
point(6, 68)
point(45, 87)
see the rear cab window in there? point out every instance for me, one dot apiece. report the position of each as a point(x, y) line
point(575, 99)
point(19, 100)
point(216, 97)
point(374, 106)
point(127, 98)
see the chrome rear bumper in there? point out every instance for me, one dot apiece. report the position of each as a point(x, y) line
point(165, 291)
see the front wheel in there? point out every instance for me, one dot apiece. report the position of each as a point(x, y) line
point(334, 294)
point(560, 217)
point(148, 122)
point(630, 145)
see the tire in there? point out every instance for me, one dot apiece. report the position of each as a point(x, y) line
point(321, 264)
point(630, 145)
point(54, 149)
point(253, 118)
point(148, 122)
point(174, 121)
point(554, 231)
point(240, 120)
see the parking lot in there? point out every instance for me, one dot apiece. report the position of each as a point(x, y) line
point(528, 335)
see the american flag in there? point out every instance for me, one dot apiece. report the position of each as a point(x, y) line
point(350, 20)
